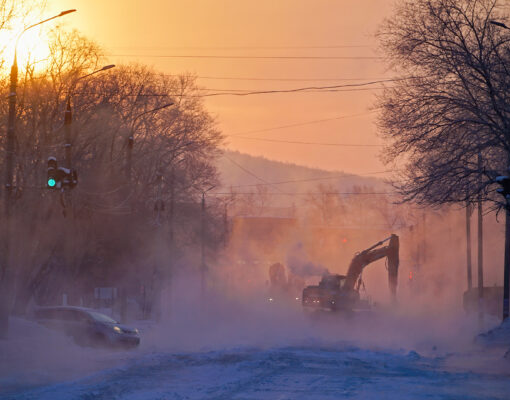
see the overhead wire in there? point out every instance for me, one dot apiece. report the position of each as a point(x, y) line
point(310, 143)
point(315, 121)
point(317, 178)
point(245, 47)
point(248, 172)
point(308, 193)
point(229, 57)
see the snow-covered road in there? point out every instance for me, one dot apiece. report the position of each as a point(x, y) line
point(304, 372)
point(263, 355)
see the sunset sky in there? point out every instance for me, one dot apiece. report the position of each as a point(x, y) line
point(153, 32)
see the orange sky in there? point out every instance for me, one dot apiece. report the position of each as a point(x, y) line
point(138, 30)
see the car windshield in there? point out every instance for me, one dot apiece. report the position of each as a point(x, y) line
point(101, 317)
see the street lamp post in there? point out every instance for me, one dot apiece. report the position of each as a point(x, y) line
point(5, 289)
point(506, 277)
point(11, 134)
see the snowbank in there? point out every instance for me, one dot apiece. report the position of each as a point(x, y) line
point(498, 336)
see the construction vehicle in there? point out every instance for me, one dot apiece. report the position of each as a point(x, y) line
point(282, 287)
point(341, 292)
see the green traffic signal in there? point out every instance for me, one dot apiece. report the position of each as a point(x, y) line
point(51, 182)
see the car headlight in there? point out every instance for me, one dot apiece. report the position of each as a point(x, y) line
point(117, 329)
point(136, 331)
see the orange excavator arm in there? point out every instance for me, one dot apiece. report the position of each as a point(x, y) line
point(374, 253)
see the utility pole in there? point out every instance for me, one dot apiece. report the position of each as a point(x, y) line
point(203, 266)
point(202, 248)
point(5, 275)
point(225, 226)
point(468, 246)
point(480, 253)
point(171, 209)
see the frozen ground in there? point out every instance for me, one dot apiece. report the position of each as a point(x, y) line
point(277, 355)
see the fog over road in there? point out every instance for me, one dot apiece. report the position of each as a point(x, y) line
point(271, 355)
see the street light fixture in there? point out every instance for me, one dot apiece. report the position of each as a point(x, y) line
point(500, 24)
point(68, 116)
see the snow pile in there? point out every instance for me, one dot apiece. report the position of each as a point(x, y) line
point(498, 336)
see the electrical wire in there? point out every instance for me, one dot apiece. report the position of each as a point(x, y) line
point(248, 172)
point(227, 78)
point(309, 143)
point(307, 193)
point(317, 179)
point(243, 47)
point(227, 57)
point(316, 121)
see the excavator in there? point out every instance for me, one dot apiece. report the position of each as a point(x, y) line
point(341, 292)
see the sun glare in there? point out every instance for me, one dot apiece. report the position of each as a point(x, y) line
point(32, 50)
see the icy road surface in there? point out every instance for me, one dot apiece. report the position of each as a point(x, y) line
point(305, 372)
point(282, 373)
point(262, 356)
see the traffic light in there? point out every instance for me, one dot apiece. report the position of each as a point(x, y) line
point(504, 190)
point(52, 178)
point(60, 177)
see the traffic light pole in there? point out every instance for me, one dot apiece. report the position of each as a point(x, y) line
point(5, 273)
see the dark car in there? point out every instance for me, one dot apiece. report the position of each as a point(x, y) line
point(87, 327)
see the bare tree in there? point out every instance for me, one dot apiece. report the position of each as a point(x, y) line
point(172, 163)
point(451, 104)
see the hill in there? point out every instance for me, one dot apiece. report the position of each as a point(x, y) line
point(284, 181)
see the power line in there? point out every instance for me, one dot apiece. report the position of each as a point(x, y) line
point(247, 171)
point(307, 194)
point(316, 121)
point(283, 91)
point(302, 90)
point(309, 143)
point(278, 79)
point(226, 78)
point(345, 85)
point(317, 179)
point(227, 57)
point(244, 47)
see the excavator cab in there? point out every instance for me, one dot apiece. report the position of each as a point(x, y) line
point(332, 281)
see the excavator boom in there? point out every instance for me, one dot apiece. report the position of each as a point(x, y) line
point(374, 253)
